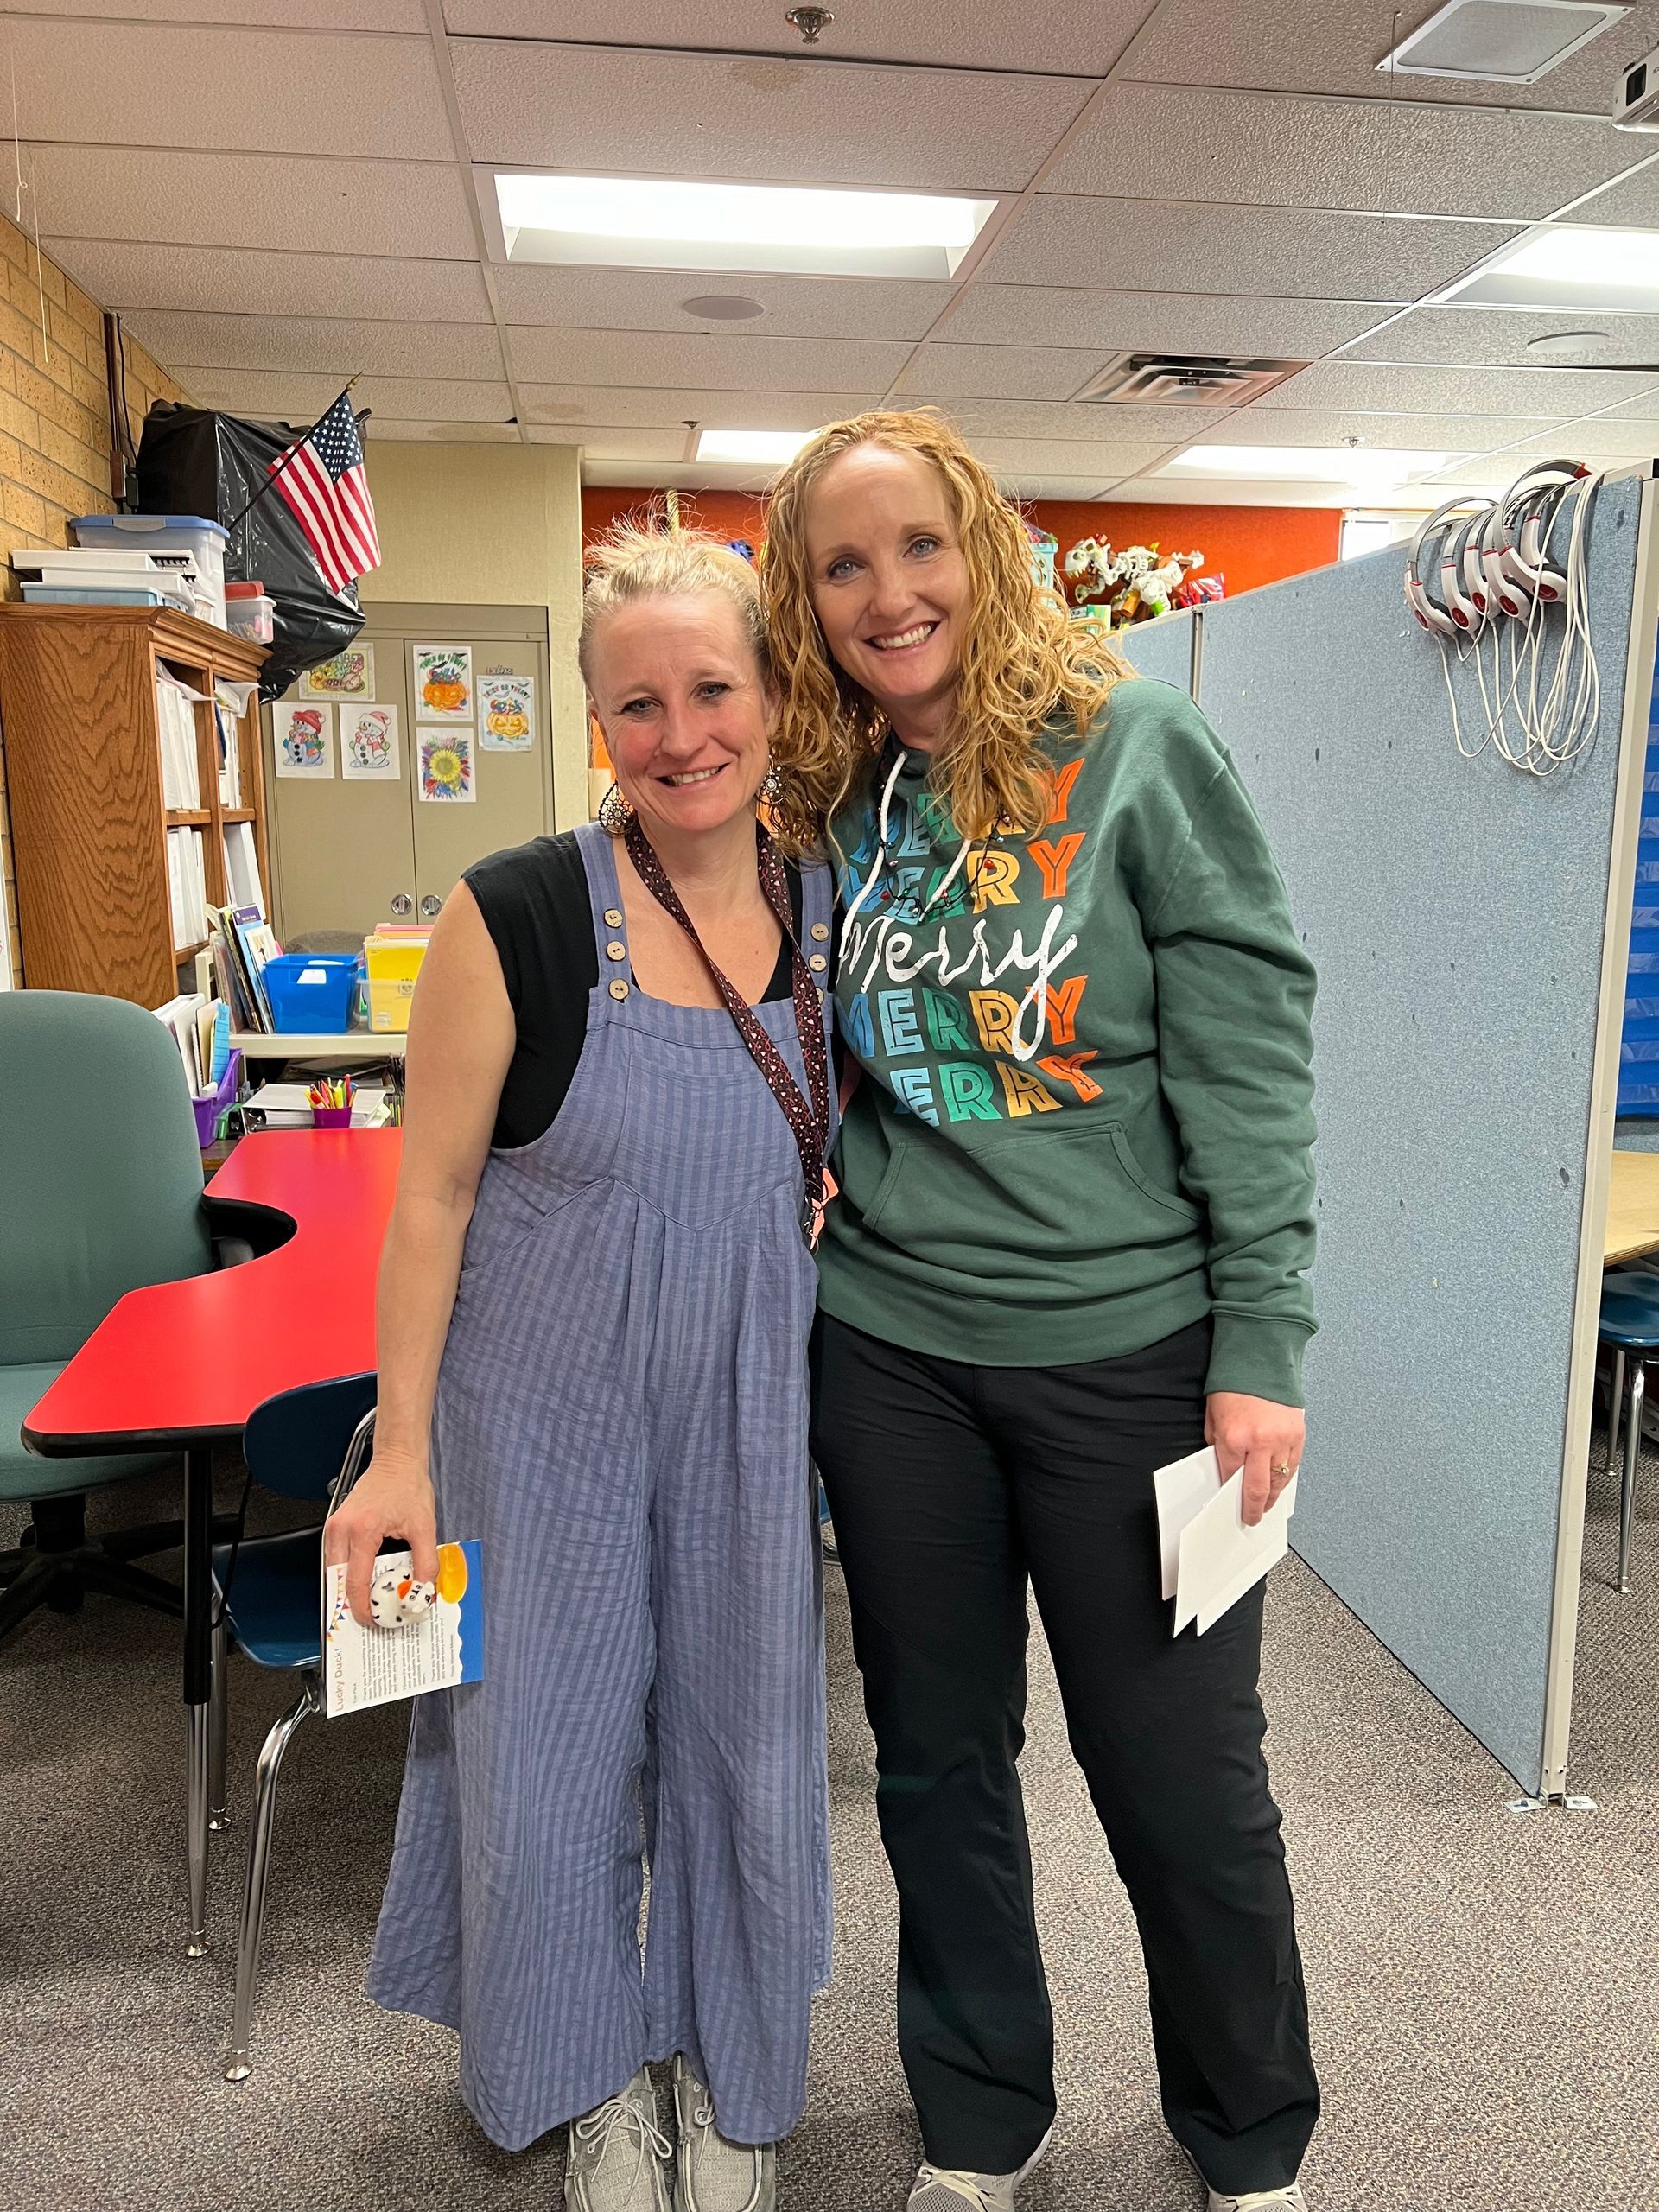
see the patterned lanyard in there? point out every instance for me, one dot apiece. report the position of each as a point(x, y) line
point(810, 1123)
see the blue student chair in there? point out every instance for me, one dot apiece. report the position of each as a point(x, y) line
point(312, 1443)
point(103, 1195)
point(1630, 1327)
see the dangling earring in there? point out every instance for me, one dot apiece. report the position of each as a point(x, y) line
point(771, 786)
point(615, 811)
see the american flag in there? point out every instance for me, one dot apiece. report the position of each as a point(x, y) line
point(324, 480)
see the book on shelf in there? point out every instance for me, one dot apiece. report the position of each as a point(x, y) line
point(242, 881)
point(242, 942)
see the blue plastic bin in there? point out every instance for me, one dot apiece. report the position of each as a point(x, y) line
point(312, 993)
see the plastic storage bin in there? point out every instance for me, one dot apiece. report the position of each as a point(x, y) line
point(160, 536)
point(394, 962)
point(250, 612)
point(209, 1111)
point(311, 993)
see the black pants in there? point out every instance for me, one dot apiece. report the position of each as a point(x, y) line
point(950, 1485)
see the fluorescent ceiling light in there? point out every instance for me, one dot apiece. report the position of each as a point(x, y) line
point(667, 223)
point(1570, 265)
point(1369, 466)
point(1499, 42)
point(769, 449)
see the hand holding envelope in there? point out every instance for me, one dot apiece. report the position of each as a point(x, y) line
point(1210, 1558)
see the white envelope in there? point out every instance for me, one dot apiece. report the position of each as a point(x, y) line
point(1216, 1558)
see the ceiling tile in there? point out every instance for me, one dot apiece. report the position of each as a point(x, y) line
point(1375, 388)
point(1275, 252)
point(1024, 371)
point(261, 15)
point(296, 342)
point(1073, 488)
point(739, 364)
point(1503, 468)
point(1641, 407)
point(1601, 438)
point(664, 476)
point(1110, 322)
point(450, 434)
point(1100, 462)
point(800, 121)
point(1386, 156)
point(244, 91)
point(796, 307)
point(1048, 420)
point(241, 282)
point(1226, 491)
point(1039, 35)
point(1495, 338)
point(1265, 425)
point(191, 198)
point(635, 443)
point(1333, 46)
point(613, 405)
point(1634, 201)
point(302, 398)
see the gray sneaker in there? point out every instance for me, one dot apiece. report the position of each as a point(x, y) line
point(1288, 2199)
point(947, 2188)
point(712, 2174)
point(619, 2158)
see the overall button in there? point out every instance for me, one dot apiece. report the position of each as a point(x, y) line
point(820, 930)
point(619, 989)
point(612, 918)
point(615, 951)
point(819, 962)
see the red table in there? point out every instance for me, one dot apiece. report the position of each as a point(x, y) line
point(180, 1366)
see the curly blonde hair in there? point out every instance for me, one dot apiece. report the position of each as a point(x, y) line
point(1022, 660)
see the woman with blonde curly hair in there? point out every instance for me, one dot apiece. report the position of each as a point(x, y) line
point(1075, 1220)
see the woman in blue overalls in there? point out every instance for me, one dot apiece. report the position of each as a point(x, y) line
point(596, 1298)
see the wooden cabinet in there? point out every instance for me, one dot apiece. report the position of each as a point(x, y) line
point(83, 740)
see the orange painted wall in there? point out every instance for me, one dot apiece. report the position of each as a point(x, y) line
point(1247, 545)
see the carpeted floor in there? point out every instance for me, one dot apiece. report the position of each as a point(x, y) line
point(1485, 1986)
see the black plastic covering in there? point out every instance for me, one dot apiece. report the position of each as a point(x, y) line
point(193, 462)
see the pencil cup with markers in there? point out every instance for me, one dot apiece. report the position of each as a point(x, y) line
point(331, 1102)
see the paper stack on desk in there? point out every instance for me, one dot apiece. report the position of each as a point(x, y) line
point(1210, 1558)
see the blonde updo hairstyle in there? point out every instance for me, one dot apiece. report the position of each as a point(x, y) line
point(1022, 661)
point(633, 562)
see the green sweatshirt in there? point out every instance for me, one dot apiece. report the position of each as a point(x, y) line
point(1085, 1117)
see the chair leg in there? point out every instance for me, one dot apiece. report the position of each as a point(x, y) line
point(1615, 1399)
point(31, 1587)
point(236, 2064)
point(1632, 1447)
point(117, 1580)
point(218, 1716)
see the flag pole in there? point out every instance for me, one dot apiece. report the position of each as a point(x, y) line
point(292, 454)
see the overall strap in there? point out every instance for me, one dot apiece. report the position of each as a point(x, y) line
point(598, 849)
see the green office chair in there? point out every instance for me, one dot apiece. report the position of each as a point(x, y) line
point(100, 1193)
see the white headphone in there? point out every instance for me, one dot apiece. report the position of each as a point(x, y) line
point(1451, 617)
point(1463, 581)
point(1514, 543)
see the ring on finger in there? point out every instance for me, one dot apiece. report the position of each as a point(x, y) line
point(1282, 1467)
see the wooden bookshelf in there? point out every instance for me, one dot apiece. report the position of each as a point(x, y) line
point(84, 774)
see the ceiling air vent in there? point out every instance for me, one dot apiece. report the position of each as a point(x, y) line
point(1184, 380)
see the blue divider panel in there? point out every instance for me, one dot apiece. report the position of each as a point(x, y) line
point(1638, 1059)
point(1455, 910)
point(1162, 649)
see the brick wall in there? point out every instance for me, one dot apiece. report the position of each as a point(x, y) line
point(55, 431)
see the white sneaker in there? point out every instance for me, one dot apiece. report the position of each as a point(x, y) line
point(712, 2174)
point(619, 2158)
point(1288, 2199)
point(946, 2189)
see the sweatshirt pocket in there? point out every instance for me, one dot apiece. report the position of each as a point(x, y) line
point(1183, 1208)
point(1027, 1196)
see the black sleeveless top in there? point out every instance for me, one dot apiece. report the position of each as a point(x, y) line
point(534, 901)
